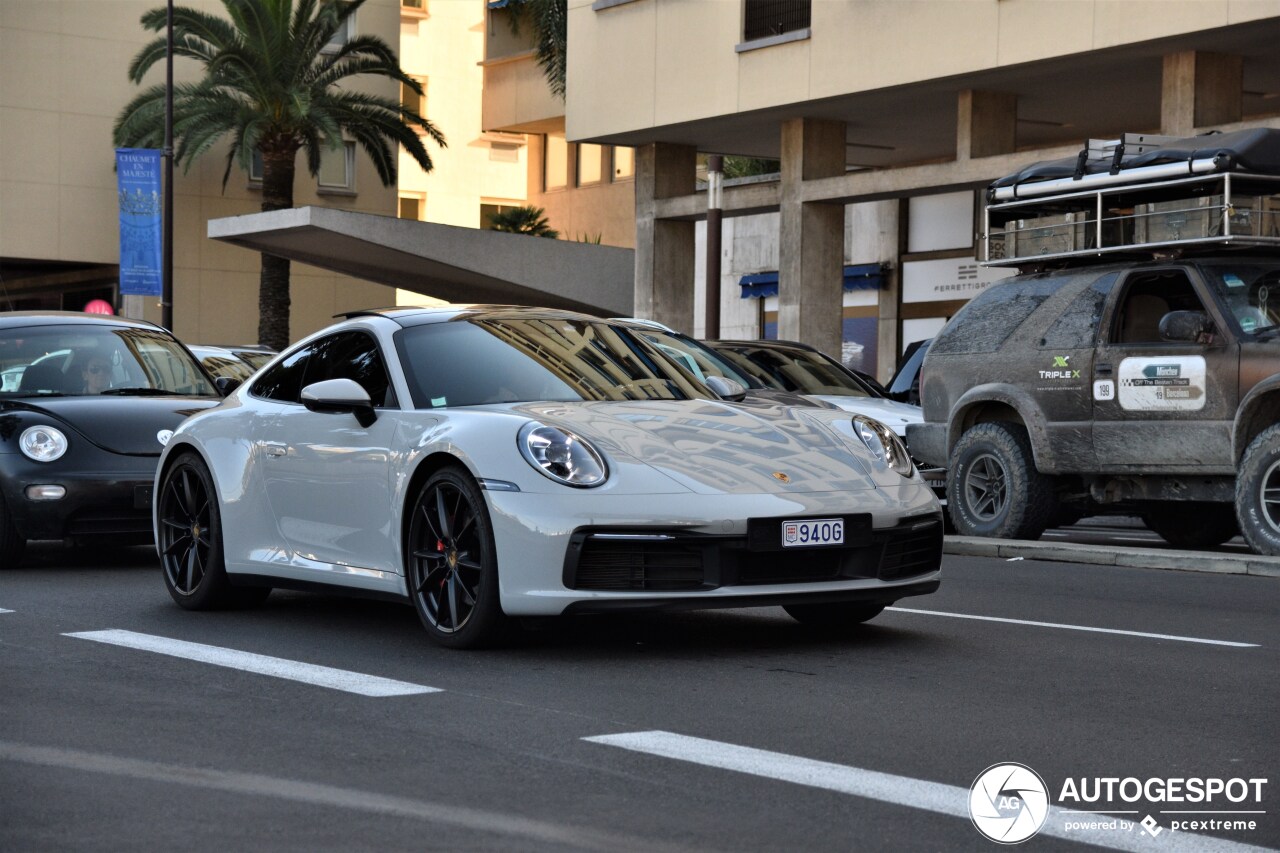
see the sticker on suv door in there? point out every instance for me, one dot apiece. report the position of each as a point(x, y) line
point(1171, 383)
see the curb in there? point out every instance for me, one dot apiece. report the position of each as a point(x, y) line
point(1207, 562)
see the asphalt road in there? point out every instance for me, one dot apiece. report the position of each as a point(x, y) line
point(731, 730)
point(1127, 532)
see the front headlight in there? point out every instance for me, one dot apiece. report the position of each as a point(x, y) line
point(883, 444)
point(43, 443)
point(562, 456)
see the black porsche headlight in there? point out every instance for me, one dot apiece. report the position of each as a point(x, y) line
point(884, 444)
point(43, 443)
point(562, 456)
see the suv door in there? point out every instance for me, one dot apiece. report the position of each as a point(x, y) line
point(330, 488)
point(1163, 405)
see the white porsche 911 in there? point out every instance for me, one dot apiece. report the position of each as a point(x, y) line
point(493, 462)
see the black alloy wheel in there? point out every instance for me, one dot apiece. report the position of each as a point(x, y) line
point(191, 540)
point(986, 489)
point(452, 562)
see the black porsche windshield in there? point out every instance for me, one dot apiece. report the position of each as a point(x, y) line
point(77, 360)
point(520, 360)
point(1251, 292)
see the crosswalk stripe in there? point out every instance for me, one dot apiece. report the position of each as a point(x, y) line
point(935, 797)
point(307, 673)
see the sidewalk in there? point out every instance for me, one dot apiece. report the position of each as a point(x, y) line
point(1110, 555)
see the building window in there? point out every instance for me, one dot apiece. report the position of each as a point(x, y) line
point(414, 5)
point(555, 162)
point(338, 167)
point(624, 163)
point(412, 207)
point(342, 36)
point(412, 100)
point(589, 163)
point(255, 167)
point(765, 18)
point(488, 211)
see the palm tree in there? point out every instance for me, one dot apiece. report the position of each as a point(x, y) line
point(550, 21)
point(273, 84)
point(523, 220)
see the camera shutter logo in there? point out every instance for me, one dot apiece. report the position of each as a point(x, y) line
point(1008, 803)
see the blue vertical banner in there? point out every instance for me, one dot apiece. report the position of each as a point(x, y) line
point(138, 187)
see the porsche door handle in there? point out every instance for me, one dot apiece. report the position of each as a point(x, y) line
point(273, 448)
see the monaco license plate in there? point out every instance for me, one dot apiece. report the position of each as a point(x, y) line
point(814, 531)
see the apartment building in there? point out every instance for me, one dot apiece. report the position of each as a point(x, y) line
point(888, 117)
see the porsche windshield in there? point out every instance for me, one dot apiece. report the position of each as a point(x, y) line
point(75, 360)
point(519, 360)
point(1251, 292)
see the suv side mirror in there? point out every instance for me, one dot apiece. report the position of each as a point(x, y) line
point(726, 389)
point(1185, 326)
point(340, 396)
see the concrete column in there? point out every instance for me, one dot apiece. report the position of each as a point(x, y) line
point(811, 237)
point(888, 340)
point(1200, 90)
point(986, 124)
point(664, 248)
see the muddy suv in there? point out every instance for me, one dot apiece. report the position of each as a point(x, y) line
point(1149, 386)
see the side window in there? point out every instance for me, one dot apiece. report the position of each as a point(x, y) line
point(354, 356)
point(1077, 327)
point(283, 383)
point(1146, 299)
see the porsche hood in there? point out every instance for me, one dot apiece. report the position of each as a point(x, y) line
point(714, 448)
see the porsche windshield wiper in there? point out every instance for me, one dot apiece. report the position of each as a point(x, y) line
point(139, 392)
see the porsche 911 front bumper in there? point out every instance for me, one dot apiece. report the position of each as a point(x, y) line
point(585, 552)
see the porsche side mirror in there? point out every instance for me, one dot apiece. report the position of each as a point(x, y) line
point(226, 384)
point(1185, 326)
point(726, 389)
point(340, 396)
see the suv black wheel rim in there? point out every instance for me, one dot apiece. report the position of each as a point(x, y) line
point(184, 529)
point(1269, 497)
point(986, 488)
point(447, 557)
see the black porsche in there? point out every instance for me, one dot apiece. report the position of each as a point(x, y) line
point(87, 403)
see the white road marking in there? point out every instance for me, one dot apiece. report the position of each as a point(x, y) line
point(557, 835)
point(2, 610)
point(307, 673)
point(935, 797)
point(1076, 628)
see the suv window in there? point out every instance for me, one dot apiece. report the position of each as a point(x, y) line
point(992, 316)
point(1147, 298)
point(1078, 326)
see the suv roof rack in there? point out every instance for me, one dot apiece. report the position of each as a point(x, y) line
point(1139, 195)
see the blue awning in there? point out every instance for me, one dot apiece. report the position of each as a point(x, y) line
point(856, 277)
point(499, 4)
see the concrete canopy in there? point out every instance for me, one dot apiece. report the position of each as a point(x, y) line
point(466, 265)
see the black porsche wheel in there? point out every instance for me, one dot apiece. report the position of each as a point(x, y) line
point(833, 616)
point(1258, 493)
point(993, 487)
point(452, 563)
point(191, 541)
point(1190, 524)
point(12, 542)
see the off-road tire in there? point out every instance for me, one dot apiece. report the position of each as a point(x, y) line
point(1258, 518)
point(993, 487)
